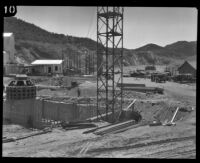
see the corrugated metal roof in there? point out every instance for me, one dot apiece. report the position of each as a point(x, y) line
point(46, 62)
point(7, 34)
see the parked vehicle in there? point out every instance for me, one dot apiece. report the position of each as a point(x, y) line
point(159, 77)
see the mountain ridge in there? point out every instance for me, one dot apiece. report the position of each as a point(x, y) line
point(33, 42)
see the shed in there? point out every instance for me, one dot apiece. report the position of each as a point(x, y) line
point(45, 67)
point(187, 68)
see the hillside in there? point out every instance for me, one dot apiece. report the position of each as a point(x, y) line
point(32, 42)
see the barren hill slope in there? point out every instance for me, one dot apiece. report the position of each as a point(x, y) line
point(33, 42)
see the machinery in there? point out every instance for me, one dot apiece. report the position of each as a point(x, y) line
point(21, 88)
point(159, 77)
point(188, 78)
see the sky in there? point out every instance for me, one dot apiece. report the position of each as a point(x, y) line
point(142, 25)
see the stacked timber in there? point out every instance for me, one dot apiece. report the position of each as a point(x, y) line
point(130, 85)
point(145, 89)
point(114, 127)
point(140, 88)
point(76, 125)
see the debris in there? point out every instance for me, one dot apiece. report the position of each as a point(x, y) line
point(169, 124)
point(76, 125)
point(186, 109)
point(85, 148)
point(155, 123)
point(46, 130)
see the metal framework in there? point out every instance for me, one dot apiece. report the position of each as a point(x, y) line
point(89, 62)
point(109, 60)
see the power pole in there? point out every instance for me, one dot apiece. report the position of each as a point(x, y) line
point(109, 57)
point(85, 63)
point(62, 63)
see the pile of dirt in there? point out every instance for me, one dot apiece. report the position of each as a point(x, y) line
point(39, 80)
point(162, 111)
point(53, 81)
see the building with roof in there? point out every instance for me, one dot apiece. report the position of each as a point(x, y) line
point(46, 67)
point(187, 68)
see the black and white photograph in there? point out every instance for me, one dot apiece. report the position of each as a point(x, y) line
point(99, 82)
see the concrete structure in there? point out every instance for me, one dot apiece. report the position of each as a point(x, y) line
point(8, 48)
point(19, 104)
point(187, 68)
point(33, 111)
point(10, 65)
point(45, 67)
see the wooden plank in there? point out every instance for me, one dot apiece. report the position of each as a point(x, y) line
point(145, 89)
point(129, 127)
point(130, 105)
point(131, 85)
point(95, 118)
point(174, 115)
point(115, 127)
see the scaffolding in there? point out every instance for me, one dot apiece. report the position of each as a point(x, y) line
point(89, 62)
point(109, 60)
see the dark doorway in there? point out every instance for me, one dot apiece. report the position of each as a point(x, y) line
point(49, 69)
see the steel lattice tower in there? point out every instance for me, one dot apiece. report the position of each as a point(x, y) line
point(109, 60)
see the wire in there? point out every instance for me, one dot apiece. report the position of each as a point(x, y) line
point(91, 22)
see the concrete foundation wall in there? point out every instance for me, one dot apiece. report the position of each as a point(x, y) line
point(32, 111)
point(21, 112)
point(59, 111)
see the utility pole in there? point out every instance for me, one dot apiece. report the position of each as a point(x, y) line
point(86, 62)
point(89, 63)
point(62, 62)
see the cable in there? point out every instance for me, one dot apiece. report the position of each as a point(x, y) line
point(91, 22)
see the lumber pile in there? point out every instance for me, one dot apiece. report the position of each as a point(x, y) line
point(145, 89)
point(140, 88)
point(129, 127)
point(77, 125)
point(97, 128)
point(130, 85)
point(114, 127)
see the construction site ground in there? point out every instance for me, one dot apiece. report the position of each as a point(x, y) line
point(146, 141)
